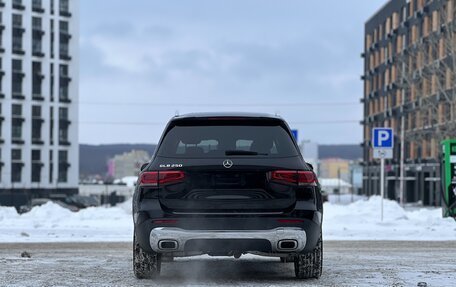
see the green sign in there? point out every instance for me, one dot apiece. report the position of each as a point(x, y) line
point(448, 177)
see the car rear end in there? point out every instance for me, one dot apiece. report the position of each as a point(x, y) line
point(227, 185)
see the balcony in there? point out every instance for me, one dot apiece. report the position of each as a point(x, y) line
point(64, 165)
point(65, 34)
point(38, 120)
point(18, 96)
point(65, 56)
point(65, 78)
point(18, 72)
point(65, 13)
point(38, 53)
point(38, 31)
point(18, 51)
point(18, 29)
point(18, 6)
point(37, 7)
point(37, 97)
point(17, 141)
point(64, 143)
point(64, 123)
point(64, 100)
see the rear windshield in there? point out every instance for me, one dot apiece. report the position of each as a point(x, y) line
point(227, 140)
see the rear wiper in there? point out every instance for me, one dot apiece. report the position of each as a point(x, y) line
point(243, 152)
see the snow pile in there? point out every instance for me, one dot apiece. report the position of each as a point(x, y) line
point(51, 222)
point(361, 220)
point(342, 221)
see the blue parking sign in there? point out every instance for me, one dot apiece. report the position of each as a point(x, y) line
point(382, 138)
point(295, 134)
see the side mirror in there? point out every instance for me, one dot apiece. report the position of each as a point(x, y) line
point(310, 165)
point(143, 166)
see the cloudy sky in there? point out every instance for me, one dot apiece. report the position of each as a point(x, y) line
point(143, 61)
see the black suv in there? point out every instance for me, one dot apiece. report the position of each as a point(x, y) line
point(226, 185)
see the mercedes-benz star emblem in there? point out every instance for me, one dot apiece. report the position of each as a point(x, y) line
point(227, 163)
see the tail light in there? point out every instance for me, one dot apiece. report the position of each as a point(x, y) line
point(294, 177)
point(307, 178)
point(155, 178)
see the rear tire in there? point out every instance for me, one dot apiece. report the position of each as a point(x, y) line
point(145, 265)
point(310, 265)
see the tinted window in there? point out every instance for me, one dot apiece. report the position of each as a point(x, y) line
point(216, 141)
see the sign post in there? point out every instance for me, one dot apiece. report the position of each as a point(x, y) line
point(383, 143)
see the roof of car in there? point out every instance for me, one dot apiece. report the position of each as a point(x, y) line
point(227, 114)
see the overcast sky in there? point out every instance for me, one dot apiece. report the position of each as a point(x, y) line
point(143, 61)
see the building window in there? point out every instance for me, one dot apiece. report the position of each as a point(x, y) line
point(64, 40)
point(16, 165)
point(1, 120)
point(63, 166)
point(36, 80)
point(51, 83)
point(37, 36)
point(36, 124)
point(51, 125)
point(64, 8)
point(64, 49)
point(51, 166)
point(17, 21)
point(36, 46)
point(16, 128)
point(63, 126)
point(64, 71)
point(37, 5)
point(17, 110)
point(63, 91)
point(1, 78)
point(17, 4)
point(17, 66)
point(64, 28)
point(63, 113)
point(18, 30)
point(17, 78)
point(1, 164)
point(16, 154)
point(16, 131)
point(36, 165)
point(36, 23)
point(17, 85)
point(36, 112)
point(1, 30)
point(63, 135)
point(52, 39)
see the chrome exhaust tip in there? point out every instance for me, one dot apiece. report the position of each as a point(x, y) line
point(168, 245)
point(287, 245)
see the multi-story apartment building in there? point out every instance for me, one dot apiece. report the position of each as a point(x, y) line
point(127, 164)
point(409, 85)
point(38, 98)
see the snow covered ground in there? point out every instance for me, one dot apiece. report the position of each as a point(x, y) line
point(343, 220)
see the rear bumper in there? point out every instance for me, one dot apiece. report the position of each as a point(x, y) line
point(228, 231)
point(169, 239)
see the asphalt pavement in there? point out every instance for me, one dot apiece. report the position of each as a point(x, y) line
point(346, 263)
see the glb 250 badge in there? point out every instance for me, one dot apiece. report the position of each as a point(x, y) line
point(171, 165)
